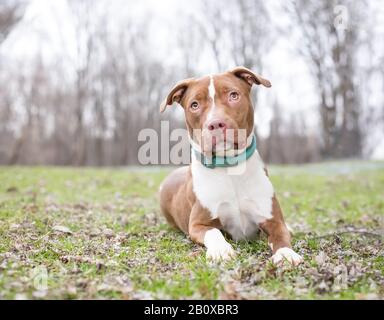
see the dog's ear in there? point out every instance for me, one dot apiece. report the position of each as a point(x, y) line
point(176, 94)
point(250, 77)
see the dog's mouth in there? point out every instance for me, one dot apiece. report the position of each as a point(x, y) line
point(219, 144)
point(223, 145)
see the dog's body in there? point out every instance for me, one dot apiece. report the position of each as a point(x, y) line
point(201, 200)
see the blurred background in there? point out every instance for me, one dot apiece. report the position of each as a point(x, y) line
point(79, 79)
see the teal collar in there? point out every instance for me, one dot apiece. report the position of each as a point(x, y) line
point(223, 162)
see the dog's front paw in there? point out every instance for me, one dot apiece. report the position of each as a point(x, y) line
point(220, 252)
point(286, 254)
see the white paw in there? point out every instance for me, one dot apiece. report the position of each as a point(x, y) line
point(220, 252)
point(217, 247)
point(286, 254)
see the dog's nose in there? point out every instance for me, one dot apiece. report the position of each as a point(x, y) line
point(216, 124)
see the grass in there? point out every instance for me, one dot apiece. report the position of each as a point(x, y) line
point(70, 233)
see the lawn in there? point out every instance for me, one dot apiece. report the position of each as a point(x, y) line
point(70, 233)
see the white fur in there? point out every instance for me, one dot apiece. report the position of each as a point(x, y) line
point(241, 199)
point(211, 93)
point(211, 88)
point(286, 254)
point(217, 247)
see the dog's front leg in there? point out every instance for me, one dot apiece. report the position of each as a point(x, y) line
point(205, 231)
point(279, 238)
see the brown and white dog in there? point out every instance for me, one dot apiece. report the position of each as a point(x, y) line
point(203, 201)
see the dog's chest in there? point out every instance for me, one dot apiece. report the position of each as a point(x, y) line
point(240, 201)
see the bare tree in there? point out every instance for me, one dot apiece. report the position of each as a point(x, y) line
point(289, 140)
point(237, 33)
point(190, 44)
point(11, 12)
point(331, 55)
point(82, 14)
point(251, 34)
point(34, 95)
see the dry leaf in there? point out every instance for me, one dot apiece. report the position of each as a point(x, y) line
point(62, 229)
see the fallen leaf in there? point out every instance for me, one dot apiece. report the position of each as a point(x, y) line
point(14, 226)
point(62, 229)
point(12, 189)
point(321, 258)
point(108, 233)
point(323, 286)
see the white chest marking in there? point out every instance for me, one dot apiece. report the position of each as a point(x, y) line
point(241, 201)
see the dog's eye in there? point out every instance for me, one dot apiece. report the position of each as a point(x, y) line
point(194, 106)
point(234, 96)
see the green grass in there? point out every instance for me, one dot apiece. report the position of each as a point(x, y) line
point(118, 245)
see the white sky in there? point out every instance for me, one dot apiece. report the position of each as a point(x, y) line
point(47, 28)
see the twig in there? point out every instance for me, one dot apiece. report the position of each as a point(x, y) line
point(362, 232)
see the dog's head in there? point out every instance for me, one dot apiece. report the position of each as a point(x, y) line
point(216, 107)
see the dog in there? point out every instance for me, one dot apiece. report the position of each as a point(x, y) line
point(212, 195)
